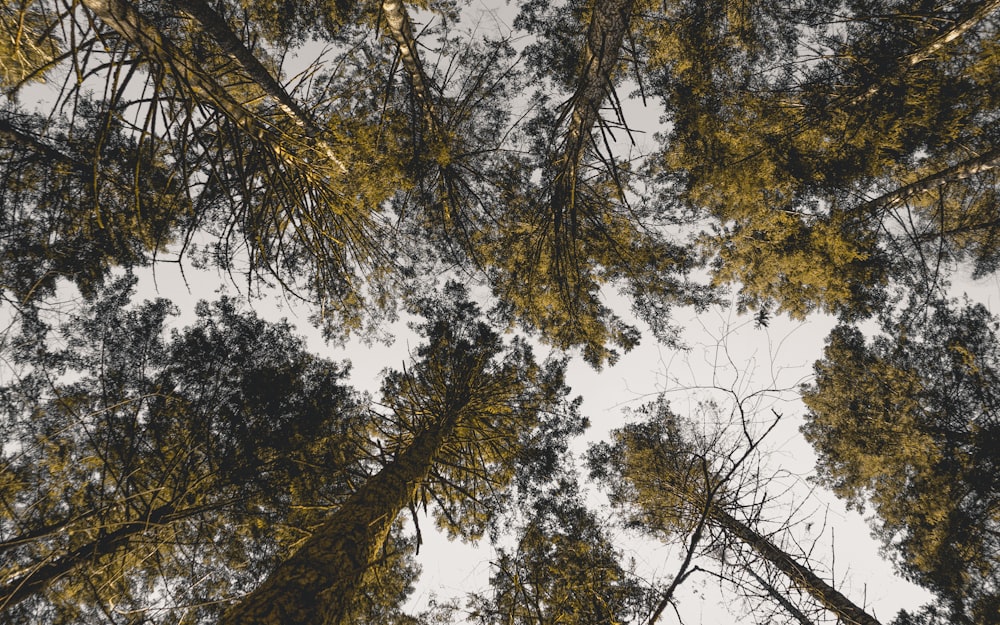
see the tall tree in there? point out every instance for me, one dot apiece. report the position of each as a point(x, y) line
point(673, 483)
point(130, 456)
point(794, 142)
point(461, 412)
point(563, 566)
point(908, 422)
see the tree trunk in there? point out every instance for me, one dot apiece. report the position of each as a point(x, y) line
point(966, 169)
point(132, 27)
point(317, 584)
point(977, 14)
point(802, 576)
point(400, 29)
point(216, 26)
point(608, 24)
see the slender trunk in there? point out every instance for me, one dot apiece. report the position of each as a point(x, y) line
point(400, 29)
point(966, 169)
point(131, 26)
point(608, 24)
point(317, 584)
point(802, 576)
point(972, 17)
point(12, 133)
point(780, 597)
point(39, 577)
point(977, 14)
point(216, 26)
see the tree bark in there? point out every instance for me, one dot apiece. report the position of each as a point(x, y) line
point(400, 29)
point(832, 599)
point(216, 26)
point(131, 26)
point(977, 14)
point(608, 24)
point(317, 584)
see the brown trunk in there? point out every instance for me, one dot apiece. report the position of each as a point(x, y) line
point(401, 31)
point(317, 584)
point(216, 26)
point(126, 21)
point(608, 24)
point(780, 597)
point(976, 14)
point(800, 575)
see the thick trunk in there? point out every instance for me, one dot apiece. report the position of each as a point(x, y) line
point(317, 584)
point(800, 575)
point(39, 577)
point(608, 24)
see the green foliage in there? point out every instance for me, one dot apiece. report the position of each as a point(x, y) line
point(659, 472)
point(78, 199)
point(786, 120)
point(138, 464)
point(510, 412)
point(563, 569)
point(907, 423)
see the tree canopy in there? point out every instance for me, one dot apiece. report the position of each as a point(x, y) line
point(564, 178)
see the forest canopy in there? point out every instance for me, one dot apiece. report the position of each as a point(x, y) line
point(527, 185)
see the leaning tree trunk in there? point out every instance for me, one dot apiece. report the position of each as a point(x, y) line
point(986, 161)
point(970, 18)
point(832, 599)
point(318, 583)
point(215, 25)
point(605, 34)
point(124, 19)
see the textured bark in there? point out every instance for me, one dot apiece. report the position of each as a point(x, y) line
point(216, 26)
point(608, 24)
point(832, 599)
point(974, 15)
point(317, 584)
point(39, 577)
point(400, 29)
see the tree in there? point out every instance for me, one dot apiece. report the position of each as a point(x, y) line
point(459, 416)
point(673, 482)
point(820, 151)
point(138, 464)
point(907, 422)
point(563, 566)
